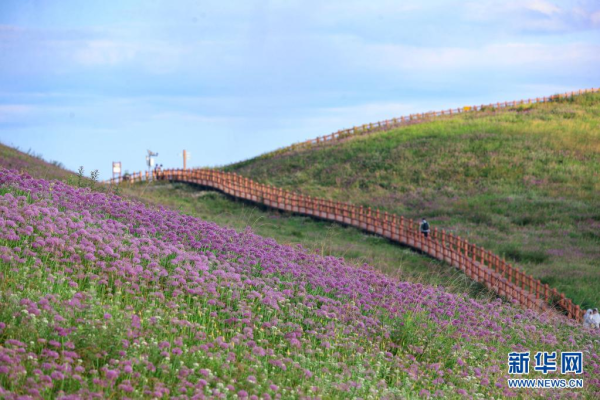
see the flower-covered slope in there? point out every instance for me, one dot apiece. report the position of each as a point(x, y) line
point(103, 297)
point(34, 164)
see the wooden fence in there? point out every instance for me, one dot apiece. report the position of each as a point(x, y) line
point(477, 263)
point(418, 118)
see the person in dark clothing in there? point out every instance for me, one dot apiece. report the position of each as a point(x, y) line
point(425, 227)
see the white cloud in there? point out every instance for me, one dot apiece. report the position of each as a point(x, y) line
point(105, 52)
point(14, 112)
point(157, 55)
point(541, 6)
point(536, 15)
point(486, 10)
point(442, 60)
point(185, 117)
point(151, 56)
point(360, 10)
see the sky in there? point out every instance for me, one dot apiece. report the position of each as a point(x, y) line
point(88, 82)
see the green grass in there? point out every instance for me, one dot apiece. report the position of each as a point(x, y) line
point(320, 236)
point(523, 183)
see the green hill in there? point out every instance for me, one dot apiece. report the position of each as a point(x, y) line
point(523, 183)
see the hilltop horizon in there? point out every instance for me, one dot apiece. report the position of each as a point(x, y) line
point(102, 83)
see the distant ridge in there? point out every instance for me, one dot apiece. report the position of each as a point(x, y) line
point(389, 124)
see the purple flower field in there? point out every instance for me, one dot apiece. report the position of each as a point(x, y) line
point(102, 297)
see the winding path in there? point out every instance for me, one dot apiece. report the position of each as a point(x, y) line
point(477, 263)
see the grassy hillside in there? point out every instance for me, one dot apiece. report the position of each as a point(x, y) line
point(317, 236)
point(33, 164)
point(101, 297)
point(523, 183)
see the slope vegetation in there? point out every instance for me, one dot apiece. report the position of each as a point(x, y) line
point(33, 164)
point(104, 297)
point(317, 236)
point(522, 183)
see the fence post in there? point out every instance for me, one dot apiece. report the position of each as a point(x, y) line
point(444, 245)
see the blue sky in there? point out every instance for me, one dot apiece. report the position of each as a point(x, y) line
point(91, 82)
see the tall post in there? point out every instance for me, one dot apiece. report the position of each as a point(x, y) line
point(184, 159)
point(116, 170)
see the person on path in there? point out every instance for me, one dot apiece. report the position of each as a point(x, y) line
point(595, 319)
point(587, 318)
point(425, 227)
point(157, 171)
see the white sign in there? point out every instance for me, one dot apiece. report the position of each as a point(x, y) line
point(116, 168)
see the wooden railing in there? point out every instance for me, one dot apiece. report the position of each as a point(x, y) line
point(416, 118)
point(477, 263)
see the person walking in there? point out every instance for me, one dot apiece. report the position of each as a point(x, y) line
point(595, 319)
point(157, 171)
point(425, 227)
point(587, 319)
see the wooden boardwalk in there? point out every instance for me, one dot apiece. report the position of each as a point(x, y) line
point(477, 263)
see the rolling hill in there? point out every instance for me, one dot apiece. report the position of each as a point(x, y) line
point(522, 182)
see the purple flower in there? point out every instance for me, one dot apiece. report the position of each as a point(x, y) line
point(177, 351)
point(112, 374)
point(57, 375)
